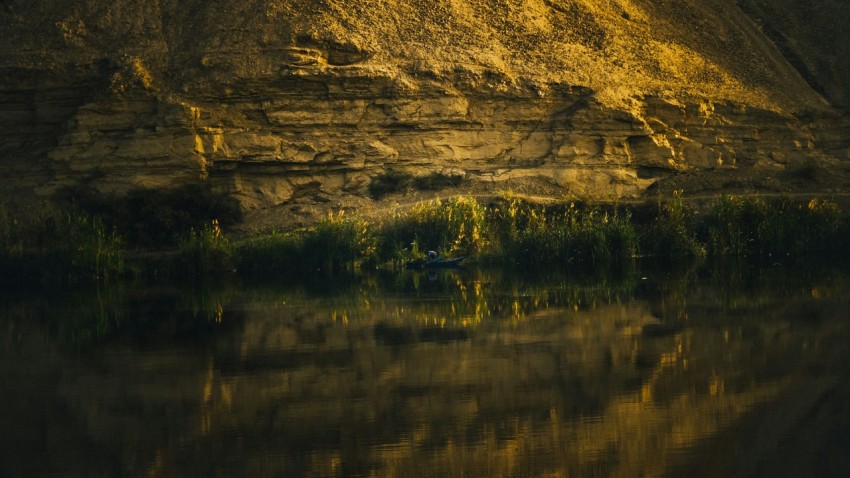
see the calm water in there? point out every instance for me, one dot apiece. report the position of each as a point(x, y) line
point(462, 373)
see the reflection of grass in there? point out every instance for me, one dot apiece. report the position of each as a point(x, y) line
point(82, 318)
point(466, 299)
point(142, 312)
point(744, 284)
point(75, 317)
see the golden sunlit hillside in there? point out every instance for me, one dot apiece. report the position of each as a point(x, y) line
point(304, 103)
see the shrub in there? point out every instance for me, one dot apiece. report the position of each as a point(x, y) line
point(436, 181)
point(391, 181)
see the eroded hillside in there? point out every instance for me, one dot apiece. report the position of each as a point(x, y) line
point(297, 103)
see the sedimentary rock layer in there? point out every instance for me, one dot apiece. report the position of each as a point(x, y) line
point(292, 101)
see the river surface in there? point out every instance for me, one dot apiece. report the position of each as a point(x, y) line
point(460, 373)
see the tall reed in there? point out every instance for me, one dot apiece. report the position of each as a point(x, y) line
point(270, 255)
point(774, 229)
point(456, 226)
point(671, 235)
point(568, 235)
point(72, 246)
point(206, 250)
point(338, 242)
point(59, 246)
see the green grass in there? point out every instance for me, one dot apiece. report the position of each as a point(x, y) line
point(565, 235)
point(756, 228)
point(74, 246)
point(670, 234)
point(205, 251)
point(453, 227)
point(268, 255)
point(58, 246)
point(156, 218)
point(339, 242)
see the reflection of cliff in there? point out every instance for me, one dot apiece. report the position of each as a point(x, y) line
point(563, 390)
point(286, 103)
point(408, 382)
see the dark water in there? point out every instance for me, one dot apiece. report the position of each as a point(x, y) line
point(463, 373)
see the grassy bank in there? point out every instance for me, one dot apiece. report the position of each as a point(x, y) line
point(84, 246)
point(511, 231)
point(58, 247)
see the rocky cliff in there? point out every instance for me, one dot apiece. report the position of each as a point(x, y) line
point(293, 103)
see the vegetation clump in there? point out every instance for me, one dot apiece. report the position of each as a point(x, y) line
point(206, 250)
point(394, 181)
point(391, 181)
point(75, 245)
point(338, 242)
point(157, 218)
point(670, 233)
point(569, 235)
point(457, 226)
point(58, 246)
point(436, 181)
point(757, 228)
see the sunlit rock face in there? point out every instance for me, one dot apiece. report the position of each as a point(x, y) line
point(305, 101)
